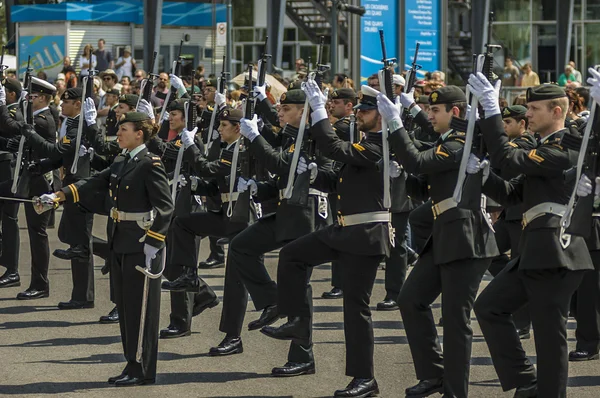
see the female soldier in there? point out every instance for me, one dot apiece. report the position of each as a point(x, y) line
point(140, 217)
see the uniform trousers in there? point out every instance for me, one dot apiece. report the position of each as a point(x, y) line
point(396, 264)
point(421, 225)
point(587, 310)
point(39, 247)
point(129, 288)
point(216, 251)
point(508, 234)
point(548, 292)
point(296, 261)
point(9, 211)
point(458, 282)
point(75, 229)
point(245, 273)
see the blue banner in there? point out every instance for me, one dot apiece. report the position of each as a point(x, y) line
point(46, 52)
point(422, 24)
point(381, 14)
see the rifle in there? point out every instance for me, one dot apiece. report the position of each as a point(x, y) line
point(2, 66)
point(221, 86)
point(241, 154)
point(27, 106)
point(175, 69)
point(467, 192)
point(87, 92)
point(411, 78)
point(148, 83)
point(301, 188)
point(386, 82)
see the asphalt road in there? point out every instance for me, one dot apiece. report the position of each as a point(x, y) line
point(46, 351)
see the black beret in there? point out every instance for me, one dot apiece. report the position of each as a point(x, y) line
point(177, 105)
point(514, 111)
point(129, 99)
point(293, 97)
point(544, 92)
point(12, 85)
point(231, 115)
point(42, 86)
point(447, 95)
point(72, 94)
point(133, 117)
point(113, 91)
point(366, 101)
point(343, 93)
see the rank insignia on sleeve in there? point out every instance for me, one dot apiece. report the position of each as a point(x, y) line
point(358, 147)
point(440, 151)
point(534, 156)
point(65, 140)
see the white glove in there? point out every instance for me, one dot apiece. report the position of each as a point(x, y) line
point(395, 169)
point(316, 98)
point(2, 95)
point(584, 186)
point(165, 117)
point(182, 180)
point(82, 150)
point(187, 137)
point(150, 253)
point(486, 93)
point(249, 128)
point(474, 165)
point(303, 167)
point(23, 96)
point(407, 99)
point(89, 111)
point(49, 198)
point(176, 82)
point(215, 134)
point(219, 99)
point(389, 112)
point(145, 107)
point(260, 92)
point(243, 185)
point(594, 81)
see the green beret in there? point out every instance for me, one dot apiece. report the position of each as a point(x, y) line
point(231, 115)
point(344, 93)
point(177, 105)
point(12, 85)
point(514, 111)
point(293, 97)
point(196, 90)
point(544, 92)
point(366, 101)
point(72, 94)
point(211, 83)
point(129, 99)
point(447, 95)
point(113, 91)
point(295, 85)
point(133, 117)
point(423, 99)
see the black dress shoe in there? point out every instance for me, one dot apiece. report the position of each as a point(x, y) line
point(112, 317)
point(188, 282)
point(75, 305)
point(31, 294)
point(387, 305)
point(112, 380)
point(172, 332)
point(294, 369)
point(296, 328)
point(334, 293)
point(230, 345)
point(529, 391)
point(359, 388)
point(425, 388)
point(212, 262)
point(524, 334)
point(129, 381)
point(201, 307)
point(72, 252)
point(269, 315)
point(10, 279)
point(582, 355)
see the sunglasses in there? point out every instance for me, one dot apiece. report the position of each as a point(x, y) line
point(139, 76)
point(107, 78)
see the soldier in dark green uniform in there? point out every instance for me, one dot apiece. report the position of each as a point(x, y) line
point(455, 258)
point(549, 267)
point(140, 217)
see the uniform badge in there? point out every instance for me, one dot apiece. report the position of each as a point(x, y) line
point(66, 95)
point(360, 95)
point(283, 96)
point(506, 112)
point(434, 97)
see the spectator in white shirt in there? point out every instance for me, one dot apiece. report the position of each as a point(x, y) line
point(85, 59)
point(126, 64)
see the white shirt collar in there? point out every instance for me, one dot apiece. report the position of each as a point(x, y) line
point(40, 111)
point(137, 150)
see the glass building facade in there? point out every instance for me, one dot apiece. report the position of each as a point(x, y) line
point(527, 31)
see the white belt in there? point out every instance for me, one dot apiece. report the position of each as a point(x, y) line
point(363, 218)
point(118, 215)
point(596, 214)
point(543, 209)
point(443, 206)
point(225, 197)
point(311, 191)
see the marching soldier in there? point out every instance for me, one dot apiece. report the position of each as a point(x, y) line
point(140, 216)
point(454, 260)
point(549, 268)
point(34, 182)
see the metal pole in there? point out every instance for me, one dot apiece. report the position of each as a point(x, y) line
point(354, 53)
point(486, 21)
point(152, 24)
point(334, 40)
point(214, 38)
point(229, 47)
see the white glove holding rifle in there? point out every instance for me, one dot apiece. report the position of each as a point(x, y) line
point(487, 94)
point(303, 167)
point(243, 185)
point(474, 166)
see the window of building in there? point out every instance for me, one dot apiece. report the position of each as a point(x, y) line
point(511, 10)
point(544, 10)
point(243, 12)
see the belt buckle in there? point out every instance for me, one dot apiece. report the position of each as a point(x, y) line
point(435, 210)
point(340, 219)
point(114, 213)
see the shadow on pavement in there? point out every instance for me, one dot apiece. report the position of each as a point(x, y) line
point(584, 381)
point(47, 324)
point(385, 325)
point(27, 309)
point(52, 387)
point(62, 342)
